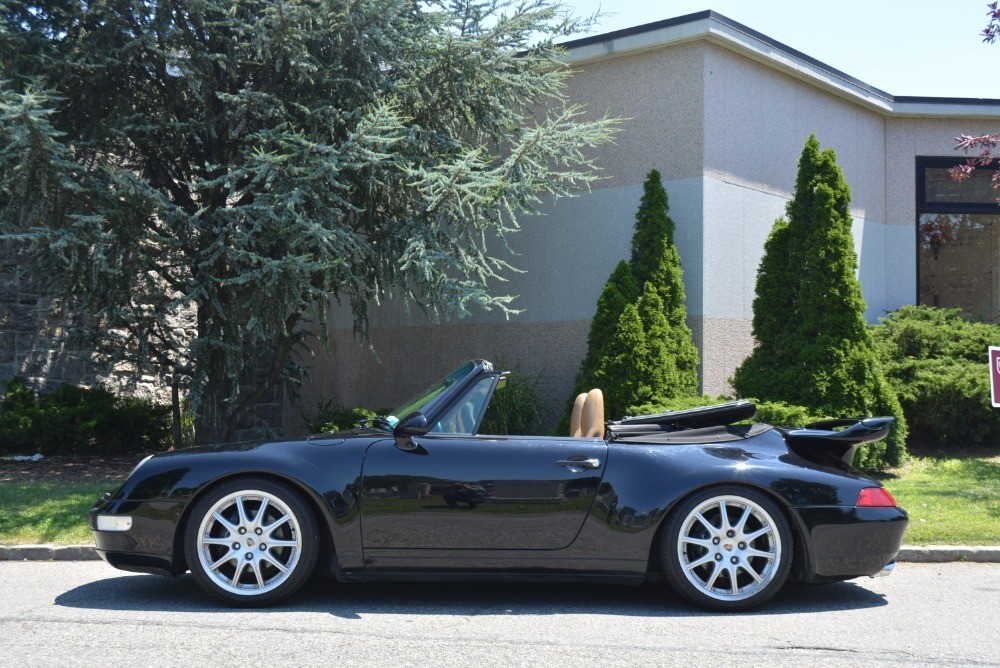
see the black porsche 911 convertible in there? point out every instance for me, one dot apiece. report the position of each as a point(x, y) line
point(726, 513)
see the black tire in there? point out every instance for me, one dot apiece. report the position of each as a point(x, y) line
point(261, 551)
point(728, 565)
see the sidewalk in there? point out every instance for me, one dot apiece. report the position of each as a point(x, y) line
point(930, 554)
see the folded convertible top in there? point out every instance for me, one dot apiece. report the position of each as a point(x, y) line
point(692, 418)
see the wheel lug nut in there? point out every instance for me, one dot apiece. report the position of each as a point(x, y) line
point(243, 530)
point(718, 556)
point(258, 531)
point(716, 541)
point(249, 556)
point(236, 546)
point(735, 560)
point(263, 547)
point(730, 533)
point(743, 546)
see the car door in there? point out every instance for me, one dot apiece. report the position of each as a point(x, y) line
point(462, 492)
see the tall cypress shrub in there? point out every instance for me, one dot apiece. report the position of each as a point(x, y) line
point(620, 291)
point(813, 346)
point(663, 361)
point(621, 371)
point(656, 264)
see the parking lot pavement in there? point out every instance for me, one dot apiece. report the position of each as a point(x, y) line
point(85, 613)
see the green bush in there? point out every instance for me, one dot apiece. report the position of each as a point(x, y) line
point(79, 421)
point(814, 348)
point(516, 408)
point(937, 363)
point(331, 415)
point(639, 345)
point(772, 412)
point(780, 414)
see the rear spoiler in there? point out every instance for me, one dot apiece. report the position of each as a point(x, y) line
point(827, 440)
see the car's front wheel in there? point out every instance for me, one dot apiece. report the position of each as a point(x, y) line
point(727, 548)
point(251, 542)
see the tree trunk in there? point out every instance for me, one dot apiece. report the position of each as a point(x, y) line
point(175, 405)
point(212, 418)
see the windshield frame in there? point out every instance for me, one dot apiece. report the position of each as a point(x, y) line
point(439, 394)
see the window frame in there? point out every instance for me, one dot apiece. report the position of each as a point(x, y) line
point(923, 162)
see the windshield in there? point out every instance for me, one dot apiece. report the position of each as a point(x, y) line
point(424, 401)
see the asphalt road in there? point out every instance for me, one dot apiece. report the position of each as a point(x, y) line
point(86, 613)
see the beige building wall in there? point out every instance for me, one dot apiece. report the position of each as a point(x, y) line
point(566, 254)
point(756, 121)
point(723, 115)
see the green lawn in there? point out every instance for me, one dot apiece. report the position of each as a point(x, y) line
point(950, 501)
point(48, 512)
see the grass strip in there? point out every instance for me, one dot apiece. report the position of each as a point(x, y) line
point(48, 512)
point(951, 501)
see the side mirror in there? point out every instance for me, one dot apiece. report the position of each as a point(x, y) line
point(414, 424)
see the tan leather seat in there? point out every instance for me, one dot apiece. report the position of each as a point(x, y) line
point(592, 417)
point(575, 430)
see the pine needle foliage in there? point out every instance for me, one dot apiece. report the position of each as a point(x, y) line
point(663, 361)
point(813, 346)
point(245, 161)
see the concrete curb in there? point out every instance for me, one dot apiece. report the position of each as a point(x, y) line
point(936, 554)
point(931, 554)
point(48, 553)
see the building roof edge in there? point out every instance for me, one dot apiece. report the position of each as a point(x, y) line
point(711, 25)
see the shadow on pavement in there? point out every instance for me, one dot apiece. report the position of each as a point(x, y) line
point(352, 601)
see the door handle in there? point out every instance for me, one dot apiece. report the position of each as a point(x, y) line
point(580, 463)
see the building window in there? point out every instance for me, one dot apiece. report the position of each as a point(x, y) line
point(958, 240)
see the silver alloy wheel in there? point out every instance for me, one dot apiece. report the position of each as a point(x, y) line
point(249, 542)
point(729, 548)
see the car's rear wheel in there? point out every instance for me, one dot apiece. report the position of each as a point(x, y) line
point(727, 548)
point(251, 542)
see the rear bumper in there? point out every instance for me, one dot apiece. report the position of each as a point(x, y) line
point(848, 542)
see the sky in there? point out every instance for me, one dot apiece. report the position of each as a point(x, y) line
point(904, 47)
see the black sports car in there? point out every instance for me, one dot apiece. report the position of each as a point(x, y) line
point(724, 512)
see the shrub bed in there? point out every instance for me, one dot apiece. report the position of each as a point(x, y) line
point(937, 363)
point(79, 421)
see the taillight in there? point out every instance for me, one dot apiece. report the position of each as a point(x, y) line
point(875, 497)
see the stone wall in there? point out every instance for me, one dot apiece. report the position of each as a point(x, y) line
point(32, 345)
point(41, 349)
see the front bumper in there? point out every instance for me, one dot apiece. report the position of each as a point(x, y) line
point(148, 545)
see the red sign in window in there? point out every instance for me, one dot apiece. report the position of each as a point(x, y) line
point(995, 375)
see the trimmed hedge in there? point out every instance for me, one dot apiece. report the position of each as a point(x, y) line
point(79, 421)
point(938, 365)
point(774, 413)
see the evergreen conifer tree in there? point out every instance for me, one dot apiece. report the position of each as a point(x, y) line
point(242, 162)
point(665, 361)
point(620, 291)
point(813, 347)
point(620, 370)
point(656, 265)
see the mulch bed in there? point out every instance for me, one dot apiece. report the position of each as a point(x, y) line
point(66, 469)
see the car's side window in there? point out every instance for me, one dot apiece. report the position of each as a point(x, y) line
point(462, 418)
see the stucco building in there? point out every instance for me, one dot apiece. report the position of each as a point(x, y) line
point(722, 111)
